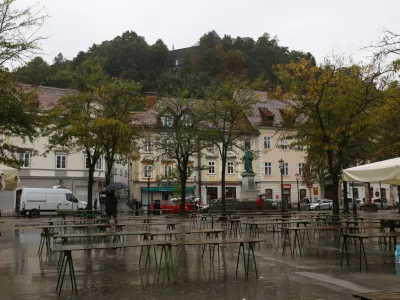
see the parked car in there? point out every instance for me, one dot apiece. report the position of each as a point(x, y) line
point(324, 204)
point(216, 205)
point(381, 203)
point(169, 206)
point(190, 202)
point(359, 204)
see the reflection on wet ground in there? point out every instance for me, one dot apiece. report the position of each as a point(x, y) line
point(115, 274)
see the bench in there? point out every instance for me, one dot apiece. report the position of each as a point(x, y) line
point(383, 295)
point(361, 238)
point(48, 232)
point(65, 259)
point(65, 237)
point(299, 241)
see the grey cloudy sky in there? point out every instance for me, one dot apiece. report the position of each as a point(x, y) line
point(322, 27)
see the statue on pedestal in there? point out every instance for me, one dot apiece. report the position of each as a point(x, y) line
point(248, 161)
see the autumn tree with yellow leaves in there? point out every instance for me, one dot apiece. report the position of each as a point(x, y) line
point(330, 108)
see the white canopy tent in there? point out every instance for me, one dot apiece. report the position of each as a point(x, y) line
point(386, 171)
point(9, 178)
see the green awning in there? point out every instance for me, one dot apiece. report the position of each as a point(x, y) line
point(166, 189)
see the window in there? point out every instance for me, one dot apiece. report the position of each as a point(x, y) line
point(147, 146)
point(355, 193)
point(284, 143)
point(87, 163)
point(230, 147)
point(147, 171)
point(286, 169)
point(268, 168)
point(230, 193)
point(115, 171)
point(167, 171)
point(189, 171)
point(99, 164)
point(247, 144)
point(211, 167)
point(71, 198)
point(167, 121)
point(187, 120)
point(301, 168)
point(25, 159)
point(383, 193)
point(61, 161)
point(303, 194)
point(120, 172)
point(126, 173)
point(169, 145)
point(230, 167)
point(268, 194)
point(210, 147)
point(267, 142)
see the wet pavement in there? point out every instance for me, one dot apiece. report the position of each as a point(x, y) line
point(115, 274)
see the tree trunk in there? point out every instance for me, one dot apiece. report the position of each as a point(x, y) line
point(109, 171)
point(335, 181)
point(183, 197)
point(90, 187)
point(345, 202)
point(183, 177)
point(398, 194)
point(223, 161)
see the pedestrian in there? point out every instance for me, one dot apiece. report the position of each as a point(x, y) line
point(308, 203)
point(95, 204)
point(111, 206)
point(259, 203)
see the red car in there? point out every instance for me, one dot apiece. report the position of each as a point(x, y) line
point(169, 206)
point(189, 202)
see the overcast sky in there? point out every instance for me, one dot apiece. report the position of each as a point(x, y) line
point(322, 27)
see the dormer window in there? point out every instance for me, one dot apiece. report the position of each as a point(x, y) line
point(167, 121)
point(187, 121)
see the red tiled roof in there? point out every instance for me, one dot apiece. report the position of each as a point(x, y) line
point(47, 96)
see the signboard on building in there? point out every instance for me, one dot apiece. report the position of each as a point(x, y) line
point(286, 186)
point(315, 191)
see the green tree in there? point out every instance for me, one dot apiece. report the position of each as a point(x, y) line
point(18, 32)
point(225, 112)
point(19, 119)
point(19, 109)
point(117, 100)
point(330, 107)
point(75, 122)
point(177, 135)
point(36, 72)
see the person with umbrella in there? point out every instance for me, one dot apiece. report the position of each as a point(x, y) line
point(111, 200)
point(111, 203)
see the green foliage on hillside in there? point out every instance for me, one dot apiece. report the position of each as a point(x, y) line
point(158, 69)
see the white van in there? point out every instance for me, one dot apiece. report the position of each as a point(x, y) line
point(36, 201)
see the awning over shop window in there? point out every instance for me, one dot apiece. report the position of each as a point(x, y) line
point(166, 189)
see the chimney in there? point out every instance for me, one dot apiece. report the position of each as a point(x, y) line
point(151, 99)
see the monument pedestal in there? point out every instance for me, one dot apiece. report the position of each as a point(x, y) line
point(249, 189)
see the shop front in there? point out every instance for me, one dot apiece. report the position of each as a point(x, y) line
point(149, 194)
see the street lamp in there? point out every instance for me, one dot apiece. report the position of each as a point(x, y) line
point(281, 164)
point(298, 177)
point(149, 169)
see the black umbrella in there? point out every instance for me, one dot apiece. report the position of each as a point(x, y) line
point(116, 186)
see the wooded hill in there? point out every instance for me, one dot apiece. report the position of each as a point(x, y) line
point(158, 69)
